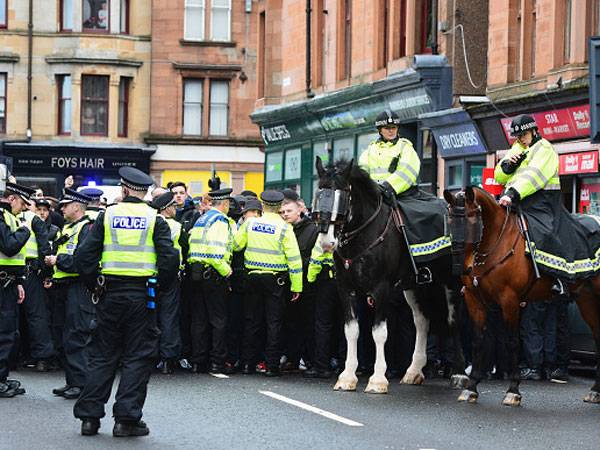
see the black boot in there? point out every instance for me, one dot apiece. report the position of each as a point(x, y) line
point(90, 426)
point(127, 429)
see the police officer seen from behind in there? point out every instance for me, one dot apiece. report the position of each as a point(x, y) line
point(211, 248)
point(13, 238)
point(71, 291)
point(132, 244)
point(169, 297)
point(93, 207)
point(272, 259)
point(41, 349)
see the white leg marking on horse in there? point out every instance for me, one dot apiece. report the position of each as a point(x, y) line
point(414, 374)
point(451, 309)
point(378, 383)
point(347, 379)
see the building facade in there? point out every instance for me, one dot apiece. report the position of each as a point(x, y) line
point(326, 68)
point(74, 84)
point(538, 64)
point(202, 92)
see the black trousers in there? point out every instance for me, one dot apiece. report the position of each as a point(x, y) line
point(126, 333)
point(56, 307)
point(80, 320)
point(235, 317)
point(37, 318)
point(328, 321)
point(185, 316)
point(209, 321)
point(298, 327)
point(8, 326)
point(168, 321)
point(538, 335)
point(264, 304)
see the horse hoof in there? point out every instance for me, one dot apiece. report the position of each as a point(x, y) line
point(345, 385)
point(413, 378)
point(592, 397)
point(511, 399)
point(459, 381)
point(468, 396)
point(377, 387)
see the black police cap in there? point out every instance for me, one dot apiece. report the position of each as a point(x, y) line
point(290, 194)
point(163, 201)
point(23, 191)
point(72, 195)
point(135, 179)
point(93, 193)
point(42, 202)
point(272, 198)
point(249, 193)
point(252, 204)
point(220, 194)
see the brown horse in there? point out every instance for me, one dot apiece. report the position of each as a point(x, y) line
point(496, 269)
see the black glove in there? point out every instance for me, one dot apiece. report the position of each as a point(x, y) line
point(513, 194)
point(388, 193)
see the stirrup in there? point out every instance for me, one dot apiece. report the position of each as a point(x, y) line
point(424, 276)
point(559, 289)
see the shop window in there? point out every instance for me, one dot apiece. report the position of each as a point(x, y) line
point(293, 166)
point(94, 105)
point(96, 15)
point(219, 107)
point(589, 196)
point(320, 149)
point(63, 83)
point(66, 15)
point(194, 20)
point(454, 174)
point(124, 17)
point(124, 90)
point(427, 175)
point(192, 107)
point(363, 142)
point(2, 103)
point(274, 163)
point(220, 25)
point(475, 172)
point(343, 149)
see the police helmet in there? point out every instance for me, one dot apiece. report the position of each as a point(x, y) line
point(387, 118)
point(522, 124)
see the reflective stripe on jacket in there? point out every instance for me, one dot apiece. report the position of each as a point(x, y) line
point(18, 259)
point(68, 248)
point(318, 261)
point(128, 240)
point(271, 246)
point(211, 241)
point(539, 170)
point(377, 158)
point(31, 248)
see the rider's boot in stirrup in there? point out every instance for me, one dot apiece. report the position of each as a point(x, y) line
point(560, 289)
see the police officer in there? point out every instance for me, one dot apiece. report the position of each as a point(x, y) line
point(169, 297)
point(35, 308)
point(272, 258)
point(71, 291)
point(132, 244)
point(13, 239)
point(93, 207)
point(211, 248)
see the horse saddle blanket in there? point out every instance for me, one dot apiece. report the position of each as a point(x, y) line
point(566, 245)
point(424, 217)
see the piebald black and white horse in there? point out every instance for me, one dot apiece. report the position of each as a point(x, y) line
point(371, 260)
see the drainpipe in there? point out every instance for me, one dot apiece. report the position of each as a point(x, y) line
point(309, 92)
point(434, 27)
point(29, 68)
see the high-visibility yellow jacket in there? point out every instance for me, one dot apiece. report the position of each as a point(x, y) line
point(211, 241)
point(376, 160)
point(18, 259)
point(175, 228)
point(73, 230)
point(539, 170)
point(319, 260)
point(128, 240)
point(271, 246)
point(31, 248)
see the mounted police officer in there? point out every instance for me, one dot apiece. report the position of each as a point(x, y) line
point(564, 245)
point(13, 239)
point(272, 259)
point(71, 291)
point(132, 244)
point(169, 297)
point(211, 249)
point(93, 207)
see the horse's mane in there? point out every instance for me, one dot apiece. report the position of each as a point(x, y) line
point(359, 177)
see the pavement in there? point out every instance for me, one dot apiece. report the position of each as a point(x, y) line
point(187, 411)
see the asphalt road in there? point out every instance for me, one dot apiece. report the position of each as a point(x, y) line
point(186, 411)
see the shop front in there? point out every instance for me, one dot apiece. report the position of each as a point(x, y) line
point(341, 124)
point(46, 165)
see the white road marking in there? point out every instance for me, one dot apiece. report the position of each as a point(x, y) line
point(312, 409)
point(219, 375)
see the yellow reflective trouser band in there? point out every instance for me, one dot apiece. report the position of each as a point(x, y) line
point(428, 248)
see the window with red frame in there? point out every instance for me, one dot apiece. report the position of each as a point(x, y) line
point(63, 83)
point(94, 105)
point(96, 15)
point(124, 86)
point(2, 103)
point(124, 17)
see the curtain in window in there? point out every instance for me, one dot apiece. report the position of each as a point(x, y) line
point(194, 20)
point(220, 20)
point(219, 101)
point(192, 107)
point(67, 14)
point(65, 107)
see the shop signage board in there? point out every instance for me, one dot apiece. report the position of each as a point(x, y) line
point(558, 124)
point(581, 162)
point(457, 140)
point(489, 182)
point(72, 162)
